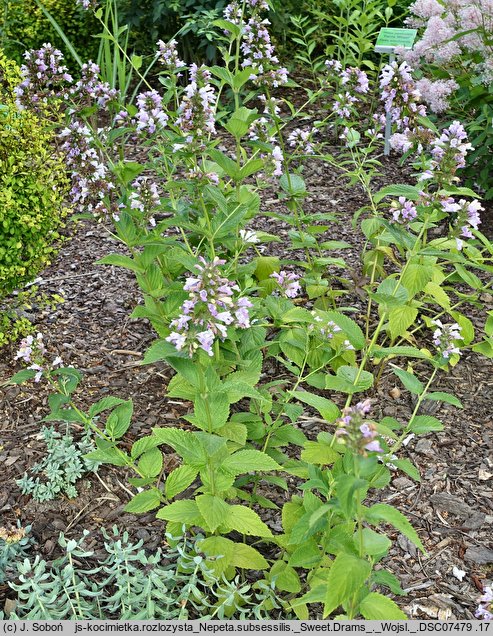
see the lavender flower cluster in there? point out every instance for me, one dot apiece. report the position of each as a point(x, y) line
point(145, 198)
point(197, 109)
point(212, 306)
point(91, 182)
point(445, 338)
point(33, 352)
point(466, 216)
point(448, 152)
point(403, 211)
point(90, 89)
point(168, 56)
point(356, 432)
point(302, 140)
point(350, 83)
point(150, 115)
point(44, 77)
point(287, 283)
point(485, 609)
point(259, 54)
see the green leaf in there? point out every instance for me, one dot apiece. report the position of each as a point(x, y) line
point(416, 277)
point(179, 480)
point(247, 557)
point(184, 511)
point(185, 443)
point(383, 512)
point(349, 380)
point(143, 502)
point(398, 190)
point(377, 607)
point(387, 579)
point(213, 509)
point(143, 444)
point(104, 404)
point(151, 463)
point(119, 420)
point(407, 467)
point(245, 461)
point(293, 185)
point(347, 576)
point(265, 266)
point(319, 453)
point(220, 552)
point(121, 261)
point(441, 396)
point(246, 521)
point(374, 544)
point(22, 376)
point(405, 352)
point(327, 409)
point(437, 295)
point(390, 294)
point(400, 319)
point(351, 330)
point(159, 350)
point(306, 555)
point(409, 380)
point(425, 424)
point(285, 577)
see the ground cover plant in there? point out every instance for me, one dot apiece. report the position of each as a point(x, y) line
point(256, 336)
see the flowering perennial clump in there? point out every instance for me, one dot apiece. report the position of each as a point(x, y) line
point(448, 152)
point(357, 433)
point(485, 609)
point(212, 306)
point(445, 338)
point(350, 85)
point(466, 216)
point(91, 89)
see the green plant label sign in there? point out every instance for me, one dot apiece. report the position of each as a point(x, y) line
point(389, 39)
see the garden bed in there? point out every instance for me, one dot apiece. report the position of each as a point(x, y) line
point(452, 507)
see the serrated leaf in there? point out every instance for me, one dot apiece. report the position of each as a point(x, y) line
point(374, 544)
point(350, 328)
point(144, 444)
point(185, 443)
point(319, 453)
point(442, 396)
point(22, 376)
point(347, 576)
point(387, 579)
point(398, 190)
point(425, 424)
point(247, 557)
point(416, 277)
point(349, 380)
point(121, 261)
point(285, 577)
point(179, 480)
point(119, 420)
point(104, 404)
point(159, 350)
point(327, 409)
point(184, 511)
point(383, 512)
point(406, 352)
point(246, 521)
point(400, 319)
point(409, 380)
point(143, 502)
point(151, 463)
point(377, 607)
point(214, 510)
point(245, 461)
point(407, 467)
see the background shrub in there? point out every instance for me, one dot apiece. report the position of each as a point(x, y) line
point(25, 26)
point(33, 186)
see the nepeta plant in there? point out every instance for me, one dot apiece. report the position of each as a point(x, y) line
point(225, 311)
